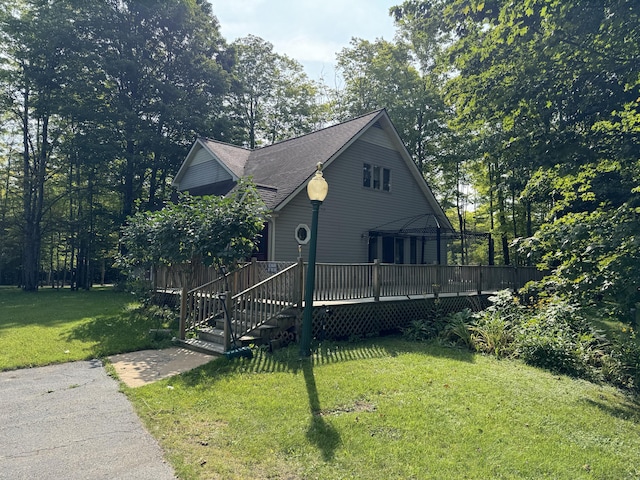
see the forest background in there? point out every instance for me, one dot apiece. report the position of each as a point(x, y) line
point(523, 117)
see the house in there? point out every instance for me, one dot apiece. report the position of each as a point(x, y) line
point(378, 207)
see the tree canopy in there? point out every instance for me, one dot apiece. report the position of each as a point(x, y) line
point(524, 117)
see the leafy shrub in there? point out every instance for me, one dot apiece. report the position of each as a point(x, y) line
point(557, 337)
point(492, 330)
point(621, 366)
point(419, 330)
point(457, 329)
point(427, 328)
point(553, 335)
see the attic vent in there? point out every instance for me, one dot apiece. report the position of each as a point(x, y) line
point(377, 125)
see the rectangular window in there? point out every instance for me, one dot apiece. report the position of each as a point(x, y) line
point(387, 250)
point(399, 251)
point(376, 178)
point(366, 175)
point(386, 179)
point(373, 249)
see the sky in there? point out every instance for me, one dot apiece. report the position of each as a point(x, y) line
point(309, 31)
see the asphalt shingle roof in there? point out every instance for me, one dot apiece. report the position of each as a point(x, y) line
point(284, 166)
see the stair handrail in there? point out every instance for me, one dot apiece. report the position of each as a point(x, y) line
point(258, 304)
point(202, 303)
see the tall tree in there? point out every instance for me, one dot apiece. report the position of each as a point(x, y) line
point(271, 98)
point(551, 91)
point(165, 61)
point(37, 40)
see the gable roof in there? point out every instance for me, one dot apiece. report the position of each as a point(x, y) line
point(288, 165)
point(282, 170)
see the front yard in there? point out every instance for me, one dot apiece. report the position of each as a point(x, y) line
point(389, 409)
point(382, 408)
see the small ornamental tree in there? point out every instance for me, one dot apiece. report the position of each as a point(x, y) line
point(209, 230)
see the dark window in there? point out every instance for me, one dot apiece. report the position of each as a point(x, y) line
point(366, 175)
point(386, 179)
point(373, 248)
point(376, 178)
point(399, 251)
point(387, 250)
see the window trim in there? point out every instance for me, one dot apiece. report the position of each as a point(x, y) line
point(376, 177)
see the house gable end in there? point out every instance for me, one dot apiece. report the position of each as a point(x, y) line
point(209, 167)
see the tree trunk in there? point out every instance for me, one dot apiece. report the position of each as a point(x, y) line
point(502, 217)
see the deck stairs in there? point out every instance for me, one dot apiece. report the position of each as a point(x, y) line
point(265, 311)
point(209, 338)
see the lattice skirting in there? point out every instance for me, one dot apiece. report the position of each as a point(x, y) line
point(372, 318)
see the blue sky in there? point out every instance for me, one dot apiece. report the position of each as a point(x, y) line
point(310, 31)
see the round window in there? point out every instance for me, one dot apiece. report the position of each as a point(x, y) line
point(303, 234)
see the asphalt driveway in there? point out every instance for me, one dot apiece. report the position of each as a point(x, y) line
point(70, 422)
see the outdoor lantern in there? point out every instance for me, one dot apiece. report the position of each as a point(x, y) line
point(317, 189)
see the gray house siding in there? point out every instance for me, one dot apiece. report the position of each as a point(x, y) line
point(352, 210)
point(203, 170)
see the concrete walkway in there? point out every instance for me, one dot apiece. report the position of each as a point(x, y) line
point(70, 421)
point(139, 368)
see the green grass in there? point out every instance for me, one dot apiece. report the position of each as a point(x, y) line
point(380, 409)
point(55, 326)
point(389, 409)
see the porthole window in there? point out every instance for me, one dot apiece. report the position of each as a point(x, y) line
point(303, 234)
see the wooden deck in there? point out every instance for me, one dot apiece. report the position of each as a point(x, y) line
point(242, 302)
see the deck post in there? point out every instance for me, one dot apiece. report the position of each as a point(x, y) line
point(183, 312)
point(253, 273)
point(227, 320)
point(299, 292)
point(480, 280)
point(376, 280)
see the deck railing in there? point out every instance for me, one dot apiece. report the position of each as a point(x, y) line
point(258, 291)
point(255, 306)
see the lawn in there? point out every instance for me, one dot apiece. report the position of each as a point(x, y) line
point(55, 326)
point(380, 408)
point(389, 409)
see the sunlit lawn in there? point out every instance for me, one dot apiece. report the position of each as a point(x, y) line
point(389, 409)
point(54, 326)
point(377, 409)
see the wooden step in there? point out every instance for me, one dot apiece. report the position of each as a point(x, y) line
point(213, 335)
point(201, 346)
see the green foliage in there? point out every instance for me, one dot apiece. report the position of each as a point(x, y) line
point(429, 327)
point(557, 337)
point(457, 329)
point(592, 257)
point(210, 230)
point(622, 364)
point(419, 330)
point(271, 98)
point(554, 335)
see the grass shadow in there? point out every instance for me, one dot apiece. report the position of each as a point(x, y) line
point(627, 409)
point(55, 307)
point(288, 359)
point(320, 432)
point(127, 331)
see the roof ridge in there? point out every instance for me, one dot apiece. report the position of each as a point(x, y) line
point(320, 130)
point(208, 139)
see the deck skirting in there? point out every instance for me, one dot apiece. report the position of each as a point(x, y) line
point(343, 320)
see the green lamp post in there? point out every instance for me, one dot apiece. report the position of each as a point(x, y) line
point(317, 189)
